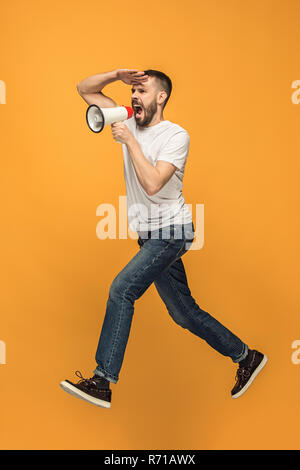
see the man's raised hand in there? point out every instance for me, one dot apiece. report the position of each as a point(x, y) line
point(131, 76)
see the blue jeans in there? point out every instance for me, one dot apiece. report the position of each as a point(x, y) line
point(159, 261)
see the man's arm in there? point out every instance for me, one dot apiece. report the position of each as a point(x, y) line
point(152, 178)
point(90, 88)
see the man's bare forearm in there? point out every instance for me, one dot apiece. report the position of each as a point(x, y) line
point(95, 83)
point(147, 174)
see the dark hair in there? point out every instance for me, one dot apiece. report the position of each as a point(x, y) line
point(164, 82)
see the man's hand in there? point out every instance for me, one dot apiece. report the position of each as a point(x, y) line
point(131, 76)
point(121, 133)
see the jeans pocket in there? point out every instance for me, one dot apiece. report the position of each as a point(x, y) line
point(188, 235)
point(174, 234)
point(165, 234)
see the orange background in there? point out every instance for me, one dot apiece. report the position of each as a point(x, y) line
point(232, 64)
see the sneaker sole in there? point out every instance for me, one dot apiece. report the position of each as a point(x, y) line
point(84, 396)
point(257, 371)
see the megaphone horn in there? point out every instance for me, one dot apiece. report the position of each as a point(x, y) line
point(97, 118)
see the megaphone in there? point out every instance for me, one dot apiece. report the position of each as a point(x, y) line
point(97, 118)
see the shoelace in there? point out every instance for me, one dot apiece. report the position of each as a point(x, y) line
point(242, 372)
point(83, 380)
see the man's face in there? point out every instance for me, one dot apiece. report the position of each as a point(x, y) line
point(144, 97)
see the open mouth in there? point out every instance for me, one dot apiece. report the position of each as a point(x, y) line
point(137, 110)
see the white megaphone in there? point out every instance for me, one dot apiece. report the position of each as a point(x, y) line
point(97, 118)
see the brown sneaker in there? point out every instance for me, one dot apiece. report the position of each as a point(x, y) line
point(95, 390)
point(246, 375)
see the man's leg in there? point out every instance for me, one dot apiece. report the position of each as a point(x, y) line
point(154, 256)
point(173, 289)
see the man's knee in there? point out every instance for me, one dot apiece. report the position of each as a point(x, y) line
point(121, 287)
point(117, 287)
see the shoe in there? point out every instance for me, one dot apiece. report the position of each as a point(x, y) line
point(92, 390)
point(246, 375)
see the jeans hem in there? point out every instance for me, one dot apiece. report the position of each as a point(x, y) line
point(103, 373)
point(243, 355)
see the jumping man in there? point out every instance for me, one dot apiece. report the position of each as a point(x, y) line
point(155, 151)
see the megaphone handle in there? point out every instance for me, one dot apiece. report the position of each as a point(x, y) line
point(119, 121)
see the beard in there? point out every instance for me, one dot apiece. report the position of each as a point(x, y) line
point(149, 113)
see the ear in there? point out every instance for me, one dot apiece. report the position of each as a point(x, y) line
point(161, 97)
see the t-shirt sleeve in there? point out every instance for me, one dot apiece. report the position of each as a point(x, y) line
point(176, 150)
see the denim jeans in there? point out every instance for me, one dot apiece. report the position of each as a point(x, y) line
point(158, 261)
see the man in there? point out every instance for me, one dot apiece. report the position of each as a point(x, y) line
point(155, 152)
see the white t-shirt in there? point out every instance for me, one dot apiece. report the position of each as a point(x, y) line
point(164, 141)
